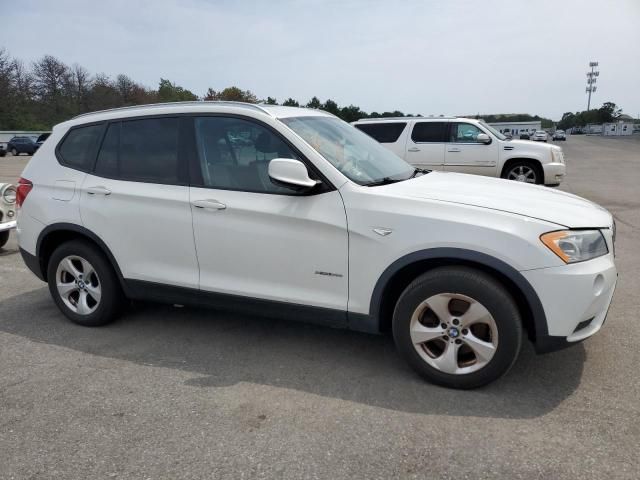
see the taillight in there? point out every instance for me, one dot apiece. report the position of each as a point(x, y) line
point(23, 189)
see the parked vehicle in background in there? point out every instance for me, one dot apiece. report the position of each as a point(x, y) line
point(23, 144)
point(42, 137)
point(509, 135)
point(524, 136)
point(466, 145)
point(7, 211)
point(559, 135)
point(312, 220)
point(540, 136)
point(3, 149)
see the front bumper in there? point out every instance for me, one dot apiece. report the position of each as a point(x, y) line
point(7, 226)
point(575, 298)
point(554, 173)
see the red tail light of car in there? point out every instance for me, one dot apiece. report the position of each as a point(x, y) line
point(22, 190)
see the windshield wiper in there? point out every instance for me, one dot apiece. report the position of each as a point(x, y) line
point(416, 171)
point(382, 181)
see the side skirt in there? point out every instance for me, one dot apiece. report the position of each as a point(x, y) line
point(157, 292)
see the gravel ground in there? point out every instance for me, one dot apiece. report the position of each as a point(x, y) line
point(185, 393)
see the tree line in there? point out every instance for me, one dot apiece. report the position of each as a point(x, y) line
point(48, 91)
point(608, 112)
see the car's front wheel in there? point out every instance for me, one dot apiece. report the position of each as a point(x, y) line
point(84, 284)
point(457, 327)
point(523, 171)
point(14, 152)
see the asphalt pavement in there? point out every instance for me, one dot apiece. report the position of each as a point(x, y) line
point(170, 392)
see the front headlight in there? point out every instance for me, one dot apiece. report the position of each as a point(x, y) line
point(9, 194)
point(576, 245)
point(557, 156)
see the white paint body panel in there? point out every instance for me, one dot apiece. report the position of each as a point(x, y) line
point(146, 226)
point(271, 246)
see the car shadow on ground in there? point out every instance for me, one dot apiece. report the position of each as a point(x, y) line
point(222, 349)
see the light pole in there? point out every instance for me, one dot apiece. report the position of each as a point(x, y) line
point(591, 81)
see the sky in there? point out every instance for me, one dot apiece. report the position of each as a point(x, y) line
point(452, 57)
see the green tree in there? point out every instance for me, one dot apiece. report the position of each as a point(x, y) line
point(170, 92)
point(231, 94)
point(290, 102)
point(271, 101)
point(331, 107)
point(609, 111)
point(314, 103)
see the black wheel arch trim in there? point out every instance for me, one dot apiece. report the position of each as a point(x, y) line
point(72, 227)
point(460, 254)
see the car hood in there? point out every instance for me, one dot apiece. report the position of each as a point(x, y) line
point(535, 201)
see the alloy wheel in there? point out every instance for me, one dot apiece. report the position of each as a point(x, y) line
point(522, 173)
point(78, 285)
point(454, 333)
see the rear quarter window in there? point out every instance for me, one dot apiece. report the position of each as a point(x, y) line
point(79, 147)
point(383, 132)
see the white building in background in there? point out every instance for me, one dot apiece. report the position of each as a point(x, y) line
point(618, 128)
point(516, 128)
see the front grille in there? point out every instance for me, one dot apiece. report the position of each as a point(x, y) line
point(584, 324)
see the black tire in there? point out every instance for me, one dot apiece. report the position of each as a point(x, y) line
point(112, 298)
point(474, 284)
point(4, 238)
point(539, 177)
point(14, 152)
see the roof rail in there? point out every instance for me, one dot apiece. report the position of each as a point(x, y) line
point(251, 106)
point(423, 117)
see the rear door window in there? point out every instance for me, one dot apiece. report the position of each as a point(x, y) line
point(144, 150)
point(429, 132)
point(383, 132)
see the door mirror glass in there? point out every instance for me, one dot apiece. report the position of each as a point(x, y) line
point(290, 173)
point(483, 138)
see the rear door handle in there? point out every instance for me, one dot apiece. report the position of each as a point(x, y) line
point(453, 150)
point(413, 149)
point(98, 190)
point(209, 204)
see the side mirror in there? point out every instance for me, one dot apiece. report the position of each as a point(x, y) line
point(290, 173)
point(483, 138)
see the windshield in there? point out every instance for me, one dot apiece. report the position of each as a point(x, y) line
point(494, 131)
point(355, 154)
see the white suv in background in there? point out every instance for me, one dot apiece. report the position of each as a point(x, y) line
point(466, 145)
point(294, 213)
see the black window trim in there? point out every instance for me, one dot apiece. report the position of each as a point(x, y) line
point(445, 136)
point(91, 163)
point(323, 187)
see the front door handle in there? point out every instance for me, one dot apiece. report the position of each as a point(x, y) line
point(209, 204)
point(413, 149)
point(453, 150)
point(98, 190)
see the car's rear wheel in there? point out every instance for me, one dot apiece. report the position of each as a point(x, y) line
point(457, 327)
point(84, 284)
point(4, 238)
point(523, 171)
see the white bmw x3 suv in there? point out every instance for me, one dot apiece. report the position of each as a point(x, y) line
point(294, 213)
